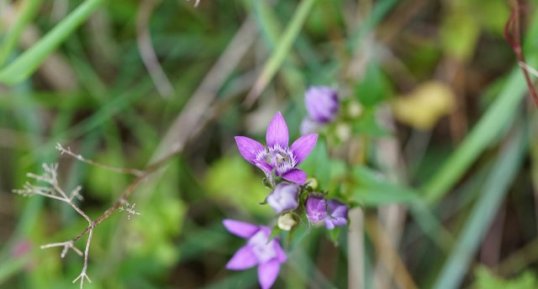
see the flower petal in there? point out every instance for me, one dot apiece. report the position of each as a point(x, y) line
point(241, 229)
point(296, 176)
point(303, 146)
point(243, 259)
point(277, 132)
point(248, 148)
point(267, 273)
point(316, 209)
point(284, 197)
point(280, 254)
point(264, 166)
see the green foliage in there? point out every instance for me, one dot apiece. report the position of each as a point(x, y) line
point(371, 51)
point(487, 280)
point(374, 87)
point(373, 190)
point(232, 179)
point(26, 64)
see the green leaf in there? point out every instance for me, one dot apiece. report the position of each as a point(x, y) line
point(459, 34)
point(486, 280)
point(317, 164)
point(235, 180)
point(373, 190)
point(374, 87)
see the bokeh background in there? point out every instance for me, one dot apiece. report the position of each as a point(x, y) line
point(435, 146)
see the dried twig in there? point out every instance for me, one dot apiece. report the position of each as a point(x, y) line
point(67, 151)
point(53, 190)
point(512, 33)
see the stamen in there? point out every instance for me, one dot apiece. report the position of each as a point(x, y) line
point(279, 159)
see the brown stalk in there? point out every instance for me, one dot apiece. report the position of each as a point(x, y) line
point(512, 34)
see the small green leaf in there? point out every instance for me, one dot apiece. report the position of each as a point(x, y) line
point(374, 87)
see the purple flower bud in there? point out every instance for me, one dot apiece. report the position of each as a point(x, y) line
point(332, 212)
point(322, 104)
point(284, 197)
point(316, 209)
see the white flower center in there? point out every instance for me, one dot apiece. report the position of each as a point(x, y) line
point(262, 247)
point(279, 159)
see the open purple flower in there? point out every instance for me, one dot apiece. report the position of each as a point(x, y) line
point(332, 212)
point(259, 251)
point(284, 197)
point(277, 157)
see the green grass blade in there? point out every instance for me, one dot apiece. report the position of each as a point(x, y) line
point(282, 49)
point(496, 188)
point(490, 126)
point(28, 11)
point(22, 67)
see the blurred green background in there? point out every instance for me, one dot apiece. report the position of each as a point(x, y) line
point(435, 145)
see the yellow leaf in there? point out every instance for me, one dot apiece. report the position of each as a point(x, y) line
point(424, 106)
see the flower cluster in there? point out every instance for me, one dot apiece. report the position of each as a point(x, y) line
point(290, 194)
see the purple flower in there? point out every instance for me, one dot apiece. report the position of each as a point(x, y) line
point(284, 197)
point(259, 251)
point(277, 157)
point(332, 212)
point(322, 104)
point(337, 214)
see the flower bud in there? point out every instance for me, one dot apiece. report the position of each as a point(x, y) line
point(286, 222)
point(354, 109)
point(284, 197)
point(316, 209)
point(322, 104)
point(312, 183)
point(333, 213)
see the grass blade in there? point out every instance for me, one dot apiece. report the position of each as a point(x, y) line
point(27, 12)
point(482, 215)
point(22, 67)
point(490, 126)
point(281, 51)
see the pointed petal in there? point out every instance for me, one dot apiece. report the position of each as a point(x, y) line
point(295, 176)
point(264, 166)
point(241, 229)
point(303, 146)
point(243, 259)
point(248, 148)
point(277, 132)
point(267, 273)
point(280, 254)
